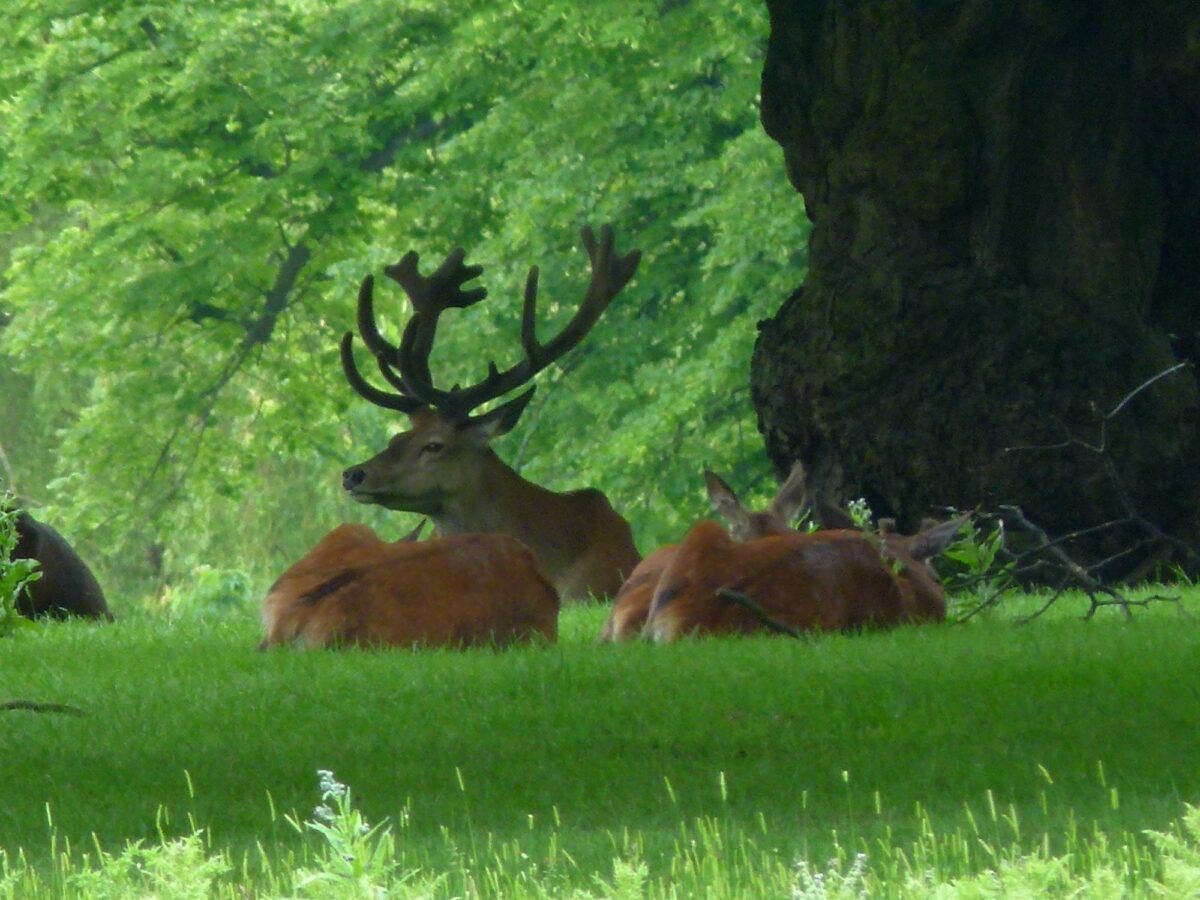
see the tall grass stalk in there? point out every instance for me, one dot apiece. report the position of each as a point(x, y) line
point(350, 858)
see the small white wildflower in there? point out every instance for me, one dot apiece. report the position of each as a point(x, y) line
point(324, 814)
point(810, 885)
point(331, 788)
point(858, 868)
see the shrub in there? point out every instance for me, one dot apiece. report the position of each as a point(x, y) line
point(14, 573)
point(210, 593)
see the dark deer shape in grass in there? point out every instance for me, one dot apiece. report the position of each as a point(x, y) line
point(67, 586)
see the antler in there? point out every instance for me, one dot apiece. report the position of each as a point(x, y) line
point(406, 367)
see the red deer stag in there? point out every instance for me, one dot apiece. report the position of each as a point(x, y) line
point(632, 602)
point(820, 581)
point(443, 467)
point(355, 589)
point(67, 586)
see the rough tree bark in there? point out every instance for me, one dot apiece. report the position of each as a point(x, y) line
point(1006, 240)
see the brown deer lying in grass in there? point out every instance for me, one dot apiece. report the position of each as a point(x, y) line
point(443, 467)
point(67, 586)
point(462, 590)
point(632, 603)
point(820, 581)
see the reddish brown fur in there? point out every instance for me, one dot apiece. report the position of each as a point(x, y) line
point(823, 581)
point(353, 588)
point(632, 603)
point(582, 544)
point(923, 597)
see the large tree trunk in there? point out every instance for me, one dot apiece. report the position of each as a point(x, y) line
point(1006, 242)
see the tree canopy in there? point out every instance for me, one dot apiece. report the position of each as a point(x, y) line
point(194, 192)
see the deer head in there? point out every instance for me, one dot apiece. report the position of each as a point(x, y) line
point(442, 458)
point(747, 524)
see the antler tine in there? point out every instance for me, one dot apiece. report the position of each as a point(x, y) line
point(375, 341)
point(379, 346)
point(441, 290)
point(429, 297)
point(610, 273)
point(529, 342)
point(400, 402)
point(406, 367)
point(391, 376)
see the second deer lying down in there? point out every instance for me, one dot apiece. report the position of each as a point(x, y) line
point(632, 603)
point(354, 588)
point(763, 575)
point(820, 581)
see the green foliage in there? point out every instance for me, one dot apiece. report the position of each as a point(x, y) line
point(15, 574)
point(179, 868)
point(861, 515)
point(708, 858)
point(1180, 849)
point(194, 192)
point(355, 859)
point(210, 592)
point(974, 561)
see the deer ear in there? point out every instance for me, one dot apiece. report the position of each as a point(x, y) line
point(792, 495)
point(726, 502)
point(414, 535)
point(929, 542)
point(497, 422)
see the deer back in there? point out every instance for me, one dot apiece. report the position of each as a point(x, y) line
point(67, 586)
point(354, 589)
point(631, 605)
point(823, 581)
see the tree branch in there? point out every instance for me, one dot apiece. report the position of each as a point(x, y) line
point(1049, 554)
point(38, 707)
point(759, 613)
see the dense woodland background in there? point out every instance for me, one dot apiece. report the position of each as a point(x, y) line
point(193, 193)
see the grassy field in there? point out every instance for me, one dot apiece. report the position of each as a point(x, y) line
point(936, 750)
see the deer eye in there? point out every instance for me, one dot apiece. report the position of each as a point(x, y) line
point(433, 447)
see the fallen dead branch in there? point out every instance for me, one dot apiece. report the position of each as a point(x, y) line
point(759, 613)
point(1046, 558)
point(39, 707)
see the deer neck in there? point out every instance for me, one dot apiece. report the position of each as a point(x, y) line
point(498, 501)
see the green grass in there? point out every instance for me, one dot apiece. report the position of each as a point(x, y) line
point(758, 752)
